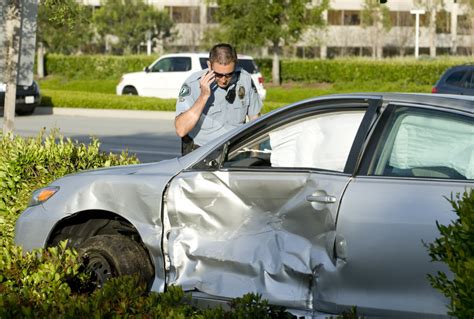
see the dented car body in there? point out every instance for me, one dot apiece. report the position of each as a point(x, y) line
point(319, 206)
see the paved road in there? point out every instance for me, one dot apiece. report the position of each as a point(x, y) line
point(150, 135)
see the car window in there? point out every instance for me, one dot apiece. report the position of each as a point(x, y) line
point(469, 83)
point(321, 142)
point(455, 78)
point(203, 62)
point(248, 65)
point(426, 143)
point(176, 64)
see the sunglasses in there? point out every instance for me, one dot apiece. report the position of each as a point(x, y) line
point(222, 75)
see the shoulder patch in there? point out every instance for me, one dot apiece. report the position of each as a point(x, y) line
point(185, 90)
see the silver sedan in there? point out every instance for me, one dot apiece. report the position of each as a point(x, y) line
point(318, 206)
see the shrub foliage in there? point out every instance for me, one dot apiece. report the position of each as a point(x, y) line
point(455, 247)
point(298, 70)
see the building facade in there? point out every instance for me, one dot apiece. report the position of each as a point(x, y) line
point(450, 32)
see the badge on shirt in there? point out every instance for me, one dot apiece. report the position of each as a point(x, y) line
point(241, 92)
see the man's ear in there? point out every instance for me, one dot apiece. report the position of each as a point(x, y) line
point(208, 64)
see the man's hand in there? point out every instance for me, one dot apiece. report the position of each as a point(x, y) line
point(186, 121)
point(205, 84)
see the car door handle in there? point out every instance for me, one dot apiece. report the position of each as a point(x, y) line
point(325, 199)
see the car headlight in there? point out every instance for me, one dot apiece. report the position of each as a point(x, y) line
point(41, 195)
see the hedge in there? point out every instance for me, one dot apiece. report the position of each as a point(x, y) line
point(422, 71)
point(362, 70)
point(95, 66)
point(78, 99)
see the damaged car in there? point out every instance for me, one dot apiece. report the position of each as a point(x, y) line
point(319, 206)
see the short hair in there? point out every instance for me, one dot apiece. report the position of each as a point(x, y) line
point(223, 53)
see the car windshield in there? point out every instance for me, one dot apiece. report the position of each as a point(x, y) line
point(246, 64)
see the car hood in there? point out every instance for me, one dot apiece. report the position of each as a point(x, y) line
point(133, 75)
point(171, 167)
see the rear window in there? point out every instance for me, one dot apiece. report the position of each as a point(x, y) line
point(455, 78)
point(246, 64)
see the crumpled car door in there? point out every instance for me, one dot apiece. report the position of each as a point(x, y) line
point(234, 232)
point(267, 229)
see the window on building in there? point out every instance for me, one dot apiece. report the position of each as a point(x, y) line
point(402, 19)
point(335, 17)
point(184, 14)
point(343, 17)
point(443, 22)
point(211, 15)
point(351, 17)
point(464, 25)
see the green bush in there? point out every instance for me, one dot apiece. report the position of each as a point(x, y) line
point(95, 66)
point(362, 70)
point(455, 247)
point(405, 70)
point(78, 99)
point(30, 163)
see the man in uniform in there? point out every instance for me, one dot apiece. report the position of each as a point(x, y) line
point(215, 100)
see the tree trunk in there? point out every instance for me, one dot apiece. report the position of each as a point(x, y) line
point(40, 60)
point(276, 65)
point(13, 33)
point(432, 30)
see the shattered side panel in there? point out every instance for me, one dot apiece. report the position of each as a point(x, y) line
point(231, 233)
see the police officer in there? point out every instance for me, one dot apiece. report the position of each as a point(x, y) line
point(215, 100)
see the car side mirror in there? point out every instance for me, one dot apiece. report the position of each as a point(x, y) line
point(146, 69)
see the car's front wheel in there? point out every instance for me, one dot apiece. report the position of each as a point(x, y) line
point(129, 90)
point(107, 256)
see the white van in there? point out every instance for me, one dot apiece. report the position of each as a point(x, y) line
point(164, 77)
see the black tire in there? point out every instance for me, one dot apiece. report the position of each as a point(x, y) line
point(107, 256)
point(129, 90)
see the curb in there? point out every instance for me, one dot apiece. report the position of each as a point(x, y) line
point(129, 114)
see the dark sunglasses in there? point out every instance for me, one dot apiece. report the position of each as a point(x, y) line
point(226, 75)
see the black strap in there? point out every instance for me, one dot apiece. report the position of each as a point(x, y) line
point(187, 145)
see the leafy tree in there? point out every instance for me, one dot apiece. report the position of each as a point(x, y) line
point(129, 21)
point(64, 26)
point(376, 17)
point(280, 22)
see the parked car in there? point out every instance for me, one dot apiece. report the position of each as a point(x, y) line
point(28, 97)
point(318, 206)
point(456, 80)
point(164, 77)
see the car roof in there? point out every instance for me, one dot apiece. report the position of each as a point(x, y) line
point(202, 55)
point(463, 103)
point(462, 66)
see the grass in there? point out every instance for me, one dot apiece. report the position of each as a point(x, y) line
point(60, 92)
